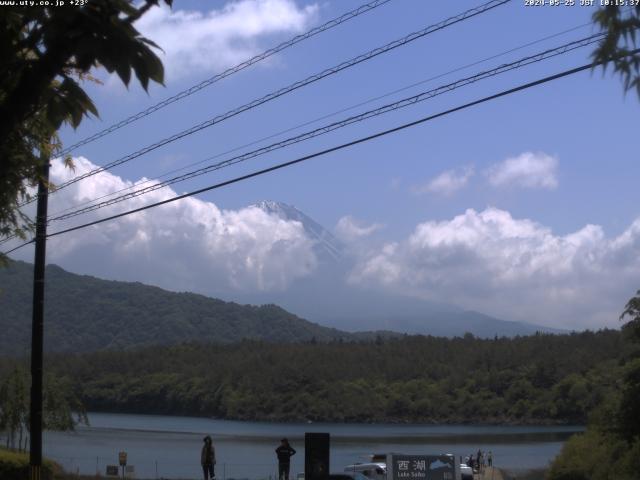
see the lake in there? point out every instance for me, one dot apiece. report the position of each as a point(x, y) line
point(169, 447)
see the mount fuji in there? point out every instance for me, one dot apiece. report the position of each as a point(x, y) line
point(326, 246)
point(325, 297)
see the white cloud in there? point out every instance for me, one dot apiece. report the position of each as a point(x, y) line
point(195, 42)
point(447, 183)
point(516, 269)
point(349, 229)
point(185, 245)
point(528, 170)
point(513, 268)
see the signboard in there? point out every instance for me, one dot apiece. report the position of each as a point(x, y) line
point(122, 456)
point(112, 470)
point(422, 467)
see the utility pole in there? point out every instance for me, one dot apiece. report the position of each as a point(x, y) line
point(37, 325)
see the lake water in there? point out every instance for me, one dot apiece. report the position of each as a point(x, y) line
point(169, 447)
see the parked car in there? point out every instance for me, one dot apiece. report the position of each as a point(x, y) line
point(347, 476)
point(466, 472)
point(371, 470)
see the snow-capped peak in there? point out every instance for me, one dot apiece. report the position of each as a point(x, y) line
point(326, 243)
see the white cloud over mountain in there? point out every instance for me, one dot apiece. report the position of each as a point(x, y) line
point(349, 228)
point(447, 183)
point(189, 244)
point(488, 261)
point(527, 170)
point(512, 268)
point(196, 42)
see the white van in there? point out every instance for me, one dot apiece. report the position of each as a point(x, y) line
point(372, 470)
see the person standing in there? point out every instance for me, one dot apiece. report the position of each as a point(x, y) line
point(208, 459)
point(490, 459)
point(284, 453)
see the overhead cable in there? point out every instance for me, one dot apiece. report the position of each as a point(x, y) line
point(294, 86)
point(336, 148)
point(405, 102)
point(228, 72)
point(315, 120)
point(332, 149)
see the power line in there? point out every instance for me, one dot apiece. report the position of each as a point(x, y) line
point(405, 102)
point(19, 246)
point(333, 149)
point(323, 117)
point(338, 147)
point(10, 237)
point(294, 86)
point(230, 71)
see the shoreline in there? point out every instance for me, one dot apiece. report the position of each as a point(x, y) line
point(391, 422)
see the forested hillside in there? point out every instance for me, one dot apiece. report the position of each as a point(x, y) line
point(86, 314)
point(610, 446)
point(536, 379)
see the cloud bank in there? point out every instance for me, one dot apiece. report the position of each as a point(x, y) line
point(206, 42)
point(512, 268)
point(185, 245)
point(488, 261)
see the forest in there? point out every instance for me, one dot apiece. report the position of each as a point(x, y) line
point(540, 379)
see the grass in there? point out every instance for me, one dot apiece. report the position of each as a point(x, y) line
point(15, 466)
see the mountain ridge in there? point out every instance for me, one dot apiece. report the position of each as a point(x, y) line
point(85, 313)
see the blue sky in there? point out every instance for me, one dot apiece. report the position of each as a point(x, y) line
point(467, 209)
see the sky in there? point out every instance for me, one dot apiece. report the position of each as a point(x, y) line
point(525, 207)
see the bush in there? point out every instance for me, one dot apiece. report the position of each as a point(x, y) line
point(596, 455)
point(15, 466)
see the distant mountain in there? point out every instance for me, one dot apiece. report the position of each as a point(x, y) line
point(85, 314)
point(442, 324)
point(325, 297)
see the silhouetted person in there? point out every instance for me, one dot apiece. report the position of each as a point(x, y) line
point(490, 459)
point(208, 459)
point(284, 453)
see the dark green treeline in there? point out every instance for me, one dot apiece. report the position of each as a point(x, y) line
point(538, 379)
